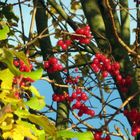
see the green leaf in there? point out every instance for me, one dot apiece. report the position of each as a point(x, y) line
point(22, 113)
point(35, 75)
point(3, 32)
point(45, 123)
point(36, 103)
point(78, 135)
point(7, 79)
point(34, 91)
point(40, 134)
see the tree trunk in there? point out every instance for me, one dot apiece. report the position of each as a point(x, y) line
point(46, 48)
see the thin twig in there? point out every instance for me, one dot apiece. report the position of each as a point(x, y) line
point(22, 21)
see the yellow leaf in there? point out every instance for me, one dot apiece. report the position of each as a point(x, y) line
point(47, 126)
point(7, 79)
point(19, 132)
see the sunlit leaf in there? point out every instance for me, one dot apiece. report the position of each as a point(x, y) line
point(36, 103)
point(3, 32)
point(44, 122)
point(19, 132)
point(34, 91)
point(5, 116)
point(35, 75)
point(78, 135)
point(40, 134)
point(7, 79)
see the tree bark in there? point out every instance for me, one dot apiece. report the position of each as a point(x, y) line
point(46, 47)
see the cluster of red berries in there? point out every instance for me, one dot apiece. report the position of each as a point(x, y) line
point(52, 65)
point(83, 35)
point(79, 97)
point(98, 136)
point(22, 81)
point(21, 65)
point(72, 80)
point(60, 97)
point(104, 65)
point(64, 44)
point(134, 117)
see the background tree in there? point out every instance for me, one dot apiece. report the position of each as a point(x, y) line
point(92, 50)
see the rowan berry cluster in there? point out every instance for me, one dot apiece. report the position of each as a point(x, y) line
point(60, 97)
point(84, 35)
point(64, 44)
point(72, 80)
point(104, 65)
point(98, 136)
point(52, 65)
point(78, 97)
point(134, 117)
point(22, 81)
point(22, 66)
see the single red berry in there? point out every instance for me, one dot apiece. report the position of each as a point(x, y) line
point(53, 60)
point(104, 74)
point(80, 113)
point(74, 95)
point(16, 63)
point(46, 64)
point(118, 77)
point(64, 47)
point(60, 42)
point(133, 133)
point(68, 42)
point(77, 104)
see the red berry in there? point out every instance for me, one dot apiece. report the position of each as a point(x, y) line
point(134, 133)
point(116, 65)
point(84, 96)
point(77, 104)
point(80, 31)
point(80, 113)
point(68, 42)
point(64, 47)
point(53, 60)
point(118, 77)
point(104, 74)
point(60, 42)
point(46, 64)
point(74, 95)
point(16, 63)
point(91, 112)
